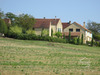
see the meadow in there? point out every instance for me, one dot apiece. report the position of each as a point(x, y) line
point(31, 57)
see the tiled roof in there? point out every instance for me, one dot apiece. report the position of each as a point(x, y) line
point(65, 25)
point(72, 33)
point(45, 23)
point(7, 21)
point(82, 27)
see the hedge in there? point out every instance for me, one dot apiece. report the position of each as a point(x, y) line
point(35, 37)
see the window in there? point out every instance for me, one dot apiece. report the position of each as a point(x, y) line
point(71, 30)
point(59, 29)
point(77, 30)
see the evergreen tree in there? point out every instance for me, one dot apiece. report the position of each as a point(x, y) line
point(78, 41)
point(92, 41)
point(64, 37)
point(69, 36)
point(52, 32)
point(82, 39)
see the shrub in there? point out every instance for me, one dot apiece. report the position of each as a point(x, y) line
point(67, 40)
point(60, 40)
point(97, 36)
point(99, 44)
point(30, 31)
point(96, 43)
point(88, 43)
point(74, 40)
point(78, 41)
point(15, 30)
point(45, 32)
point(58, 34)
point(46, 38)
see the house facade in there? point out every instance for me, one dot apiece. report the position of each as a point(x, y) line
point(47, 24)
point(77, 30)
point(57, 26)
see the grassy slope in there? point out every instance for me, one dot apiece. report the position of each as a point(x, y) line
point(23, 57)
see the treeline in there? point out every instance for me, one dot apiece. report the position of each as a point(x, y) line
point(22, 23)
point(95, 28)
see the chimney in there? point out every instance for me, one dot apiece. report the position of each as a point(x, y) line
point(69, 22)
point(83, 24)
point(43, 17)
point(55, 17)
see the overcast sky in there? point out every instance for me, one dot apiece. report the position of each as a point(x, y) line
point(66, 10)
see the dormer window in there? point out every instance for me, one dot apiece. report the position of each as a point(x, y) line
point(70, 30)
point(77, 30)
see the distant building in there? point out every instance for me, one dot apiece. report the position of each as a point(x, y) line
point(8, 21)
point(56, 25)
point(48, 24)
point(77, 30)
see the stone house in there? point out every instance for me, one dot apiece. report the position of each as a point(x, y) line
point(77, 30)
point(47, 24)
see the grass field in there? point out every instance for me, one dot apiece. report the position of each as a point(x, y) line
point(23, 57)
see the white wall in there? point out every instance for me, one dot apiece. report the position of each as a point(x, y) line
point(88, 36)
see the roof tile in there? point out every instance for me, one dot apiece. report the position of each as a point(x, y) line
point(45, 23)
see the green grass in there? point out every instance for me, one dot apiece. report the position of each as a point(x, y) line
point(28, 57)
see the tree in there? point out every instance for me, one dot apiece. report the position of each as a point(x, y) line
point(52, 32)
point(58, 34)
point(3, 27)
point(1, 14)
point(78, 40)
point(64, 37)
point(92, 41)
point(11, 16)
point(94, 27)
point(69, 36)
point(26, 21)
point(82, 39)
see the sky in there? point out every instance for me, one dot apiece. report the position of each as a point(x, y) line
point(67, 10)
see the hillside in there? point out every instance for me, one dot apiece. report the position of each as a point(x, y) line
point(23, 57)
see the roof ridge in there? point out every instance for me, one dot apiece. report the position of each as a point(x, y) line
point(47, 18)
point(82, 26)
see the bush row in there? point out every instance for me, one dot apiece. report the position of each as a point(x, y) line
point(95, 43)
point(35, 37)
point(22, 36)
